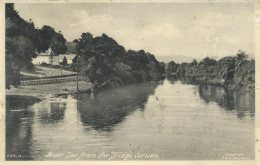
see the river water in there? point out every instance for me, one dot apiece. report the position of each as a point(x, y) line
point(167, 121)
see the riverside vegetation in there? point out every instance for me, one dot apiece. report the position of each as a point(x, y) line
point(100, 60)
point(104, 63)
point(233, 72)
point(23, 41)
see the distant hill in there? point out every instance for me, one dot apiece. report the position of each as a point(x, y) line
point(71, 47)
point(181, 58)
point(175, 58)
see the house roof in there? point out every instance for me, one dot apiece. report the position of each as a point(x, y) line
point(49, 52)
point(46, 53)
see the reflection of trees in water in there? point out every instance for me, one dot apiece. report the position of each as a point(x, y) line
point(184, 80)
point(19, 134)
point(240, 100)
point(19, 127)
point(112, 106)
point(51, 113)
point(172, 79)
point(57, 111)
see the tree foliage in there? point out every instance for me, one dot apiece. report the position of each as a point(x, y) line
point(171, 68)
point(48, 38)
point(64, 61)
point(228, 71)
point(23, 40)
point(20, 48)
point(102, 59)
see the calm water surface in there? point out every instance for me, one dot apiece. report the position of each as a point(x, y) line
point(172, 120)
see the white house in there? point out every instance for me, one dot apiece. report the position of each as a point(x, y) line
point(49, 57)
point(43, 57)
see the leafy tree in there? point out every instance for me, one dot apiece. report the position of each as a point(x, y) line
point(241, 55)
point(23, 40)
point(20, 48)
point(171, 68)
point(93, 63)
point(58, 44)
point(207, 62)
point(48, 38)
point(44, 38)
point(162, 67)
point(232, 71)
point(64, 61)
point(194, 62)
point(102, 59)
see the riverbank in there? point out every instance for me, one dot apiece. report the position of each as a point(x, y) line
point(234, 72)
point(44, 91)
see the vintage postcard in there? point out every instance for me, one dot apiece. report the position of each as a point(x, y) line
point(139, 82)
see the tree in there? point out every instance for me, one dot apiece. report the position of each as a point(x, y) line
point(194, 62)
point(207, 62)
point(49, 38)
point(93, 63)
point(241, 55)
point(58, 44)
point(162, 67)
point(75, 41)
point(20, 48)
point(101, 59)
point(23, 40)
point(64, 61)
point(171, 68)
point(44, 38)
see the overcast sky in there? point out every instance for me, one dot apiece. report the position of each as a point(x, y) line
point(164, 29)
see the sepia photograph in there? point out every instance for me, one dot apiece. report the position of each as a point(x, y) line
point(113, 81)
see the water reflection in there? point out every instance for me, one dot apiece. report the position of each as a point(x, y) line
point(51, 112)
point(241, 101)
point(19, 134)
point(111, 106)
point(19, 131)
point(174, 120)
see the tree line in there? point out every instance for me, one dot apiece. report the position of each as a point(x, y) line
point(232, 71)
point(104, 62)
point(101, 60)
point(24, 41)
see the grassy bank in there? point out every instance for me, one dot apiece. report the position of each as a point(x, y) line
point(41, 71)
point(43, 91)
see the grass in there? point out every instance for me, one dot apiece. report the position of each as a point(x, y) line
point(41, 71)
point(43, 91)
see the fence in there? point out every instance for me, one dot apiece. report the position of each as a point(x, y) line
point(49, 81)
point(49, 77)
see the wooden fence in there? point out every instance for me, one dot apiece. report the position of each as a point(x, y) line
point(49, 81)
point(49, 77)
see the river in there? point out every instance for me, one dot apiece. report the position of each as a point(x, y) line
point(167, 121)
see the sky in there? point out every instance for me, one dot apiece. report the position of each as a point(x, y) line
point(194, 30)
